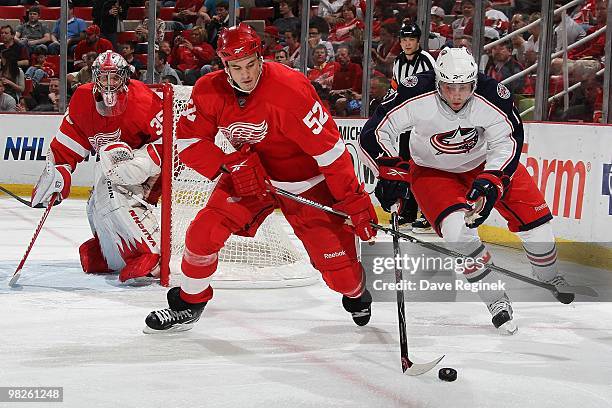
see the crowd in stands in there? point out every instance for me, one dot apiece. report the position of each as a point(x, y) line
point(187, 30)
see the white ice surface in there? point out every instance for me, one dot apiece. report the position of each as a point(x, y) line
point(275, 348)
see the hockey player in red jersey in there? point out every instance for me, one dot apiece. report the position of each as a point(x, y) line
point(465, 142)
point(126, 234)
point(283, 136)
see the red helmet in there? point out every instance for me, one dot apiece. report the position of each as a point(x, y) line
point(238, 42)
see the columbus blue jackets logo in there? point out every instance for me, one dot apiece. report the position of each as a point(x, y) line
point(458, 141)
point(502, 91)
point(410, 81)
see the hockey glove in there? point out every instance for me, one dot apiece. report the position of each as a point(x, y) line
point(54, 179)
point(486, 189)
point(125, 167)
point(247, 173)
point(392, 181)
point(360, 210)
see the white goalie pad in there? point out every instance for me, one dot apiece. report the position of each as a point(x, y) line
point(127, 167)
point(123, 223)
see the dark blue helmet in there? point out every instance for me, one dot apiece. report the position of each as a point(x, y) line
point(410, 30)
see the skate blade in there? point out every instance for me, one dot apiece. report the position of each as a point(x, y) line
point(177, 328)
point(508, 329)
point(140, 281)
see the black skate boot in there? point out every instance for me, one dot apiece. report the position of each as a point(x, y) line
point(559, 282)
point(501, 310)
point(180, 316)
point(360, 308)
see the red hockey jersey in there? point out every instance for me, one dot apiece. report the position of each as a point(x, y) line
point(84, 130)
point(283, 119)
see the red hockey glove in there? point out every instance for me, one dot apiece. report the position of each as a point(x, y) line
point(392, 181)
point(360, 210)
point(247, 173)
point(486, 189)
point(54, 179)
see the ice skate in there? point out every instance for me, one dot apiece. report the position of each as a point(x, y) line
point(559, 281)
point(360, 308)
point(180, 316)
point(501, 310)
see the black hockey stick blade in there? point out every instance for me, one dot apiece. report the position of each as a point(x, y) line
point(21, 200)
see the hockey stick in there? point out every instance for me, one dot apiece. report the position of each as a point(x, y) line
point(580, 290)
point(407, 365)
point(17, 273)
point(21, 200)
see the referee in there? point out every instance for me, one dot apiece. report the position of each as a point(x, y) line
point(410, 61)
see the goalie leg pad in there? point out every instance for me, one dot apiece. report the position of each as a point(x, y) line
point(91, 257)
point(124, 226)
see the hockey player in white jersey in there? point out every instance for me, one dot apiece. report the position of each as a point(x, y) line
point(465, 144)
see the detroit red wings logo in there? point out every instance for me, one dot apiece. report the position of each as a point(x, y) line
point(458, 141)
point(239, 133)
point(102, 139)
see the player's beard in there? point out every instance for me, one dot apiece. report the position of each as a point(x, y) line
point(111, 103)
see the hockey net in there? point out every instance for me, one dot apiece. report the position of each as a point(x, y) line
point(267, 260)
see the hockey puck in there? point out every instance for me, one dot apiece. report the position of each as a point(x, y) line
point(447, 374)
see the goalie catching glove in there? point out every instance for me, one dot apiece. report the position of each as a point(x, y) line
point(54, 179)
point(392, 181)
point(361, 213)
point(486, 189)
point(126, 167)
point(247, 173)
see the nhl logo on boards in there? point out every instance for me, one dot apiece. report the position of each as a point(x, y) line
point(410, 81)
point(502, 91)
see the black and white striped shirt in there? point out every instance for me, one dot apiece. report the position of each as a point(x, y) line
point(402, 67)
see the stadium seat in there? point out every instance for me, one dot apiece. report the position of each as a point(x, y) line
point(49, 13)
point(261, 13)
point(55, 61)
point(126, 36)
point(29, 86)
point(84, 12)
point(242, 13)
point(12, 12)
point(165, 13)
point(142, 58)
point(136, 13)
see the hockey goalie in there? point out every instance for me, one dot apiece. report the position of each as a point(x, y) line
point(118, 119)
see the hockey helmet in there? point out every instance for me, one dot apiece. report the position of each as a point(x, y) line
point(238, 42)
point(411, 30)
point(111, 76)
point(456, 66)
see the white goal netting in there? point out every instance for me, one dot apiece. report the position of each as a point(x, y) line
point(267, 260)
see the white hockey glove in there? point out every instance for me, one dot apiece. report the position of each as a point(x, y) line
point(54, 179)
point(124, 166)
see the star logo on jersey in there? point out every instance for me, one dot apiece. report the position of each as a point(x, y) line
point(458, 141)
point(410, 81)
point(99, 140)
point(239, 133)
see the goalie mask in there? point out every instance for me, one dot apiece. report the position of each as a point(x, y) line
point(110, 75)
point(237, 43)
point(456, 76)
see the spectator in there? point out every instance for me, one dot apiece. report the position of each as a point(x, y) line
point(328, 9)
point(142, 30)
point(496, 18)
point(162, 69)
point(47, 98)
point(190, 55)
point(127, 52)
point(502, 65)
point(92, 42)
point(108, 15)
point(463, 41)
point(41, 69)
point(292, 39)
point(438, 25)
point(281, 57)
point(574, 31)
point(342, 31)
point(217, 22)
point(18, 51)
point(33, 33)
point(584, 103)
point(323, 70)
point(533, 42)
point(464, 25)
point(379, 86)
point(595, 48)
point(287, 21)
point(314, 39)
point(347, 74)
point(410, 11)
point(519, 21)
point(215, 65)
point(186, 12)
point(12, 76)
point(84, 75)
point(76, 32)
point(388, 49)
point(271, 42)
point(490, 35)
point(7, 102)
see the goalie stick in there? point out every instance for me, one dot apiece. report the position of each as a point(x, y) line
point(408, 366)
point(17, 273)
point(21, 200)
point(579, 290)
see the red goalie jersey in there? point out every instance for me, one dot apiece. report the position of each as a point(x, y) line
point(284, 121)
point(84, 130)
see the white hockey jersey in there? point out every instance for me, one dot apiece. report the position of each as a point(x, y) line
point(488, 129)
